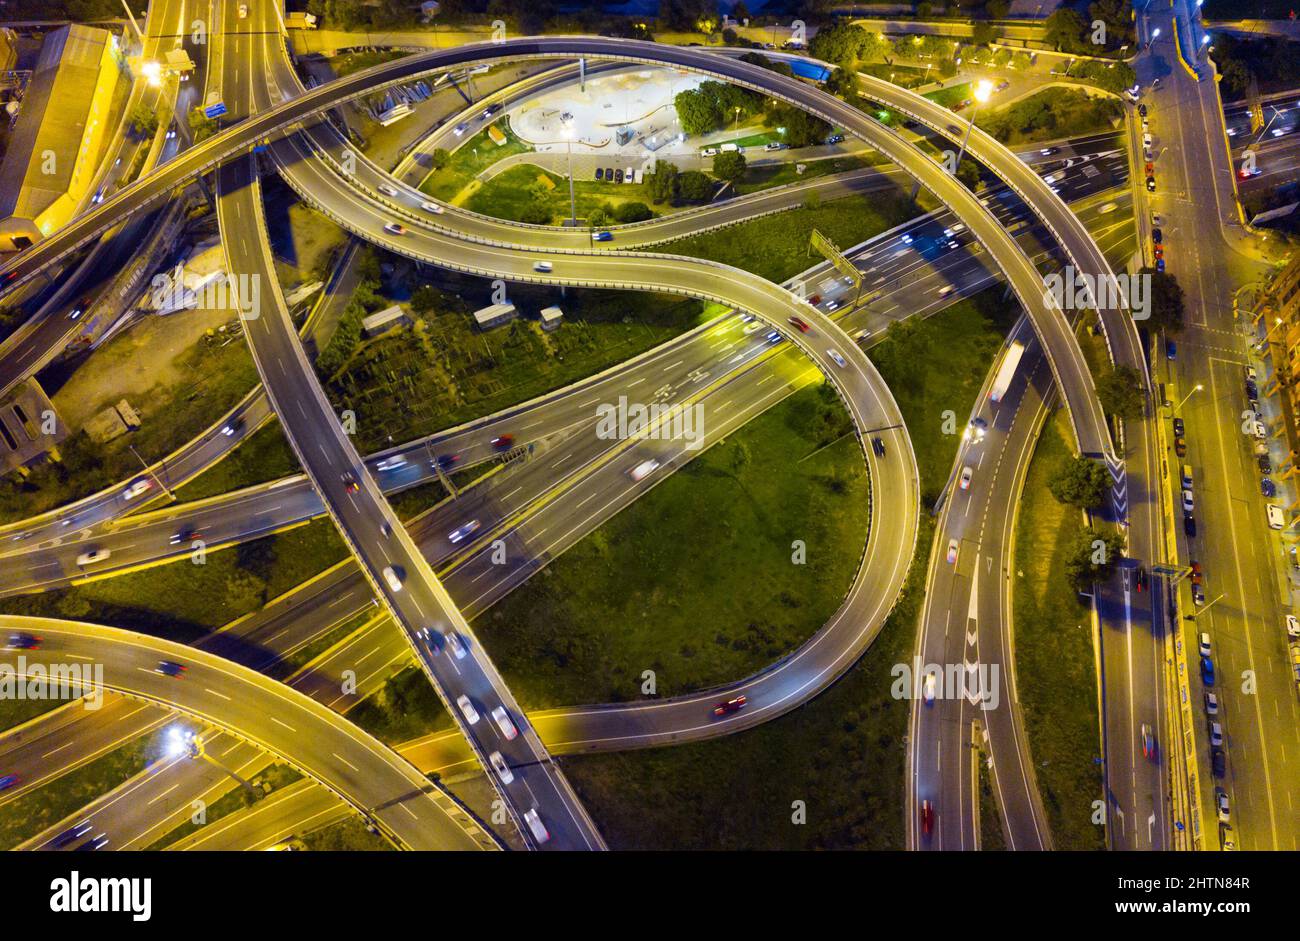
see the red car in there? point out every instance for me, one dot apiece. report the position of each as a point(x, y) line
point(503, 442)
point(815, 299)
point(800, 324)
point(23, 641)
point(350, 482)
point(730, 706)
point(927, 818)
point(1197, 576)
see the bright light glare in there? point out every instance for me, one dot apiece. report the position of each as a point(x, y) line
point(152, 72)
point(983, 90)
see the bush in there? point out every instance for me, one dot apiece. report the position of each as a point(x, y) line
point(633, 212)
point(1081, 482)
point(729, 165)
point(694, 186)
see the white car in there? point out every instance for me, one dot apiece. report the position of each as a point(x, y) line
point(390, 576)
point(1205, 644)
point(545, 267)
point(1188, 502)
point(952, 552)
point(839, 360)
point(946, 290)
point(243, 11)
point(1276, 519)
point(1257, 428)
point(388, 190)
point(393, 228)
point(431, 207)
point(1216, 734)
point(456, 535)
point(456, 644)
point(709, 152)
point(137, 488)
point(1292, 625)
point(967, 473)
point(1221, 804)
point(90, 556)
point(504, 722)
point(467, 709)
point(539, 831)
point(391, 463)
point(643, 469)
point(927, 689)
point(502, 769)
point(753, 327)
point(461, 129)
point(1211, 704)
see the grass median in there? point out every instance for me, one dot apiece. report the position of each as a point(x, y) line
point(1055, 667)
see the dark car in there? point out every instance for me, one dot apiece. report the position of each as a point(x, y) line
point(447, 460)
point(71, 835)
point(600, 173)
point(609, 174)
point(350, 482)
point(170, 668)
point(1189, 526)
point(1265, 465)
point(1267, 487)
point(1179, 430)
point(835, 138)
point(603, 236)
point(1252, 391)
point(1207, 671)
point(730, 706)
point(1151, 184)
point(185, 535)
point(21, 640)
point(1218, 761)
point(927, 818)
point(1171, 349)
point(1157, 236)
point(618, 176)
point(232, 427)
point(1142, 110)
point(878, 446)
point(7, 781)
point(1160, 264)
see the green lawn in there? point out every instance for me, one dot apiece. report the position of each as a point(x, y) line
point(510, 193)
point(404, 708)
point(469, 160)
point(410, 384)
point(24, 817)
point(265, 455)
point(14, 712)
point(183, 601)
point(1055, 670)
point(348, 835)
point(950, 96)
point(667, 584)
point(767, 176)
point(776, 247)
point(1050, 114)
point(351, 62)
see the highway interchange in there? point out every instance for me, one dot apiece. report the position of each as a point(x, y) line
point(439, 581)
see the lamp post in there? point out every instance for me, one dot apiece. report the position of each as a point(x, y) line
point(983, 89)
point(573, 202)
point(1195, 389)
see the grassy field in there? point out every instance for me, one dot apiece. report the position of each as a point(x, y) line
point(25, 816)
point(183, 601)
point(1050, 114)
point(666, 585)
point(767, 176)
point(412, 382)
point(991, 836)
point(14, 712)
point(346, 835)
point(510, 193)
point(1055, 671)
point(265, 455)
point(406, 707)
point(469, 160)
point(776, 247)
point(843, 753)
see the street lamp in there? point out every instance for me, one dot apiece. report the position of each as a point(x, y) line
point(573, 202)
point(1195, 389)
point(983, 90)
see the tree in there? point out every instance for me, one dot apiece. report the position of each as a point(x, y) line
point(697, 111)
point(439, 158)
point(801, 128)
point(842, 44)
point(537, 213)
point(201, 125)
point(729, 165)
point(1080, 481)
point(694, 186)
point(598, 217)
point(633, 212)
point(1120, 392)
point(1091, 556)
point(663, 182)
point(425, 298)
point(997, 9)
point(983, 33)
point(740, 12)
point(968, 173)
point(1064, 30)
point(1165, 301)
point(144, 121)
